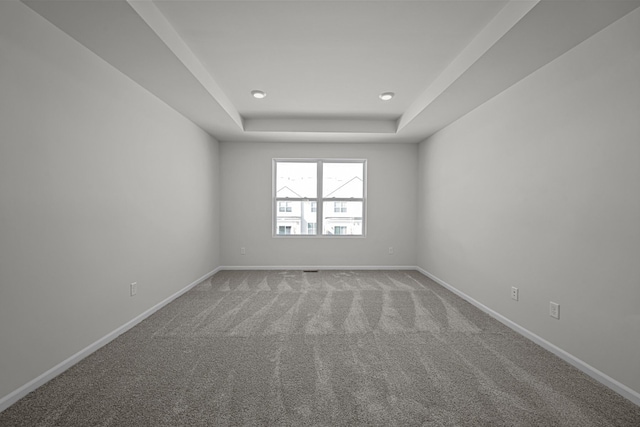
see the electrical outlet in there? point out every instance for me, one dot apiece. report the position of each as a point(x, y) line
point(134, 288)
point(242, 251)
point(554, 310)
point(390, 250)
point(514, 293)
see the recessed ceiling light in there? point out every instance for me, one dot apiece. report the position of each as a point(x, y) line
point(258, 94)
point(386, 96)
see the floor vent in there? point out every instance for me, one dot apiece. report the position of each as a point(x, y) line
point(310, 271)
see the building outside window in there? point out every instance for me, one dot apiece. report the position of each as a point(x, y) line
point(340, 229)
point(284, 229)
point(319, 197)
point(284, 207)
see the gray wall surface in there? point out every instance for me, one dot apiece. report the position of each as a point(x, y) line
point(101, 185)
point(246, 170)
point(539, 189)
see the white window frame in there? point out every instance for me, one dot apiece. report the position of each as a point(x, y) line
point(319, 199)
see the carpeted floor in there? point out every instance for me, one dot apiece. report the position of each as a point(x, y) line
point(332, 348)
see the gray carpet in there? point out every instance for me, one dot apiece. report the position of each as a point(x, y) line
point(330, 348)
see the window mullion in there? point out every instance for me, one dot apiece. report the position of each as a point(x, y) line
point(319, 204)
point(275, 209)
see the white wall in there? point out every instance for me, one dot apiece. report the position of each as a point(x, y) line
point(101, 184)
point(246, 207)
point(539, 188)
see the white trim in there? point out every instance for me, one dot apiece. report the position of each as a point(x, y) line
point(604, 379)
point(319, 267)
point(597, 375)
point(19, 393)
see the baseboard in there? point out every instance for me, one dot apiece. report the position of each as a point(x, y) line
point(604, 379)
point(599, 376)
point(19, 393)
point(319, 267)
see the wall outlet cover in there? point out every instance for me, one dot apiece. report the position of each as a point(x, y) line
point(554, 310)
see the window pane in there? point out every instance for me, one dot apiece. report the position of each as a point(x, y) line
point(296, 180)
point(296, 220)
point(343, 180)
point(347, 221)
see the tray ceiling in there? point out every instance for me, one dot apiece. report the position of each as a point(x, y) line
point(323, 64)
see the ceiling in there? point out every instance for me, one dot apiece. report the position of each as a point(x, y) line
point(323, 63)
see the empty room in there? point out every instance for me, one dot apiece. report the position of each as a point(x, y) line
point(320, 213)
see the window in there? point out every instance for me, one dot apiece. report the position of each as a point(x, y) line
point(316, 197)
point(340, 229)
point(284, 229)
point(284, 207)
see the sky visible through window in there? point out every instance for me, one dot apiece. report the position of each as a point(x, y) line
point(338, 176)
point(300, 179)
